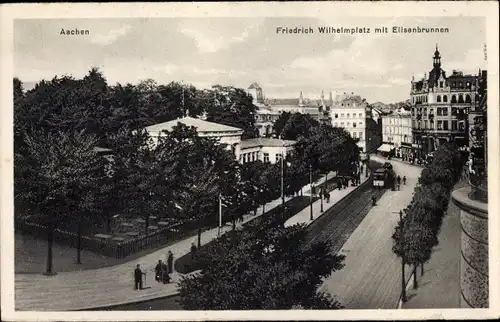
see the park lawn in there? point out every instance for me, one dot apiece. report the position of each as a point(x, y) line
point(186, 264)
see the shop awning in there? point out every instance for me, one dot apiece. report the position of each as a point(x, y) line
point(385, 148)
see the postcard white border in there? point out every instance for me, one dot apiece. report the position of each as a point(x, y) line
point(257, 9)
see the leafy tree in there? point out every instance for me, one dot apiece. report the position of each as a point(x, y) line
point(280, 123)
point(51, 177)
point(262, 267)
point(232, 106)
point(298, 124)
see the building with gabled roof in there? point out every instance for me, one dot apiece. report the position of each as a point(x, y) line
point(440, 106)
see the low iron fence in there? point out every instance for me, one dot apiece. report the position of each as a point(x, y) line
point(107, 247)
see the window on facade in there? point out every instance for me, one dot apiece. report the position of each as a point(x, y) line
point(278, 156)
point(425, 124)
point(353, 124)
point(360, 123)
point(266, 157)
point(445, 125)
point(441, 84)
point(348, 123)
point(453, 98)
point(342, 104)
point(425, 111)
point(335, 124)
point(439, 111)
point(245, 160)
point(440, 125)
point(360, 114)
point(413, 111)
point(341, 123)
point(342, 115)
point(454, 125)
point(336, 115)
point(439, 98)
point(468, 84)
point(354, 134)
point(445, 98)
point(348, 115)
point(461, 126)
point(445, 111)
point(460, 98)
point(467, 98)
point(360, 135)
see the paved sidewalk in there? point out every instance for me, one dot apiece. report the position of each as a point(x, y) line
point(371, 278)
point(304, 217)
point(110, 285)
point(439, 288)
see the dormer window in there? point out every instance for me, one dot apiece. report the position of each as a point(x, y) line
point(441, 84)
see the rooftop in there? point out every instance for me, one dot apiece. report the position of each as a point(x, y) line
point(200, 125)
point(265, 142)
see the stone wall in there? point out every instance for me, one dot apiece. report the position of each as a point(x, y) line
point(474, 248)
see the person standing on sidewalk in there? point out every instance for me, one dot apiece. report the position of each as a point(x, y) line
point(138, 277)
point(193, 251)
point(170, 262)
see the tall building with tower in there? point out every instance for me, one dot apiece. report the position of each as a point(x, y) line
point(440, 107)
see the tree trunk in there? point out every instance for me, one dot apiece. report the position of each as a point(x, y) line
point(146, 225)
point(199, 238)
point(108, 224)
point(234, 224)
point(263, 208)
point(301, 193)
point(422, 269)
point(50, 239)
point(255, 212)
point(79, 244)
point(415, 283)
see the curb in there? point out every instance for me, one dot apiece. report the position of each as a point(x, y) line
point(110, 307)
point(340, 200)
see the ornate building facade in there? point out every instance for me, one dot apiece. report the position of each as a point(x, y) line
point(440, 106)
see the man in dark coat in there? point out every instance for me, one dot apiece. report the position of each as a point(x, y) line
point(165, 278)
point(138, 277)
point(193, 250)
point(170, 262)
point(158, 271)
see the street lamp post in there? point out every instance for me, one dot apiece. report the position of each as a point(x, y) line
point(310, 195)
point(403, 284)
point(282, 172)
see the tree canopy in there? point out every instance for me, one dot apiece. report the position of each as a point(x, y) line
point(262, 267)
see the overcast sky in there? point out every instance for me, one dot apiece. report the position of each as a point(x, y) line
point(237, 52)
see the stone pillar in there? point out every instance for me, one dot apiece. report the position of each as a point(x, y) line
point(474, 249)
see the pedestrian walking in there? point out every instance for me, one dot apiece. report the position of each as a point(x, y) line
point(404, 179)
point(374, 200)
point(170, 262)
point(193, 250)
point(138, 278)
point(327, 196)
point(398, 180)
point(339, 184)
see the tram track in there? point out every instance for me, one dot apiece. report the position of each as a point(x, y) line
point(338, 223)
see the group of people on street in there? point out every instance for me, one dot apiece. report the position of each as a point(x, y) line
point(162, 272)
point(398, 182)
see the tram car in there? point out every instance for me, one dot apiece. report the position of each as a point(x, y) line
point(384, 177)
